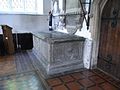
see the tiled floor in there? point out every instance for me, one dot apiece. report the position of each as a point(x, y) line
point(17, 63)
point(83, 80)
point(23, 81)
point(17, 72)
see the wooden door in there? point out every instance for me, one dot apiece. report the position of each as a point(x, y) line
point(109, 46)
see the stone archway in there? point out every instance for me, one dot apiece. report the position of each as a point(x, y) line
point(95, 23)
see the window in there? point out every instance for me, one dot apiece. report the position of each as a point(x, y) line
point(21, 6)
point(61, 5)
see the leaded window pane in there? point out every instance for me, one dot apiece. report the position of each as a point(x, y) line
point(4, 5)
point(30, 5)
point(18, 5)
point(21, 6)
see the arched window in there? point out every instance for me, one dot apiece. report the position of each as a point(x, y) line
point(21, 6)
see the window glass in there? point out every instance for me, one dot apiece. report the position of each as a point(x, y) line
point(21, 6)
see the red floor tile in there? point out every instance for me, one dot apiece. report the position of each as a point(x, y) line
point(107, 86)
point(86, 82)
point(74, 86)
point(97, 79)
point(78, 75)
point(60, 87)
point(88, 73)
point(95, 88)
point(67, 78)
point(54, 81)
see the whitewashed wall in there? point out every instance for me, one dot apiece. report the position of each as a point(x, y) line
point(25, 22)
point(28, 22)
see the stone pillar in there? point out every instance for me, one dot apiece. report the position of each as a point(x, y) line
point(95, 24)
point(87, 53)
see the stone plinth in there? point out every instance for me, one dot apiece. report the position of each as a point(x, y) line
point(58, 52)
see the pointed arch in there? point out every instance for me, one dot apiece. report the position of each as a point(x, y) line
point(95, 24)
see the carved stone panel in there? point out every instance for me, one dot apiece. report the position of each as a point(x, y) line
point(68, 51)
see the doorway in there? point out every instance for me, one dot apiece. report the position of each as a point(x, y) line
point(109, 44)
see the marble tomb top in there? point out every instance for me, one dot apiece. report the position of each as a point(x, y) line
point(54, 36)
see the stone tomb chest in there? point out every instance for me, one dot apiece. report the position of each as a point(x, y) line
point(58, 52)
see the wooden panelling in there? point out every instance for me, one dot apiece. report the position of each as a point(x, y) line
point(8, 39)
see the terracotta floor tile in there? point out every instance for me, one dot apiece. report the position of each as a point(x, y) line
point(107, 86)
point(74, 86)
point(67, 78)
point(106, 77)
point(78, 75)
point(60, 87)
point(95, 88)
point(88, 73)
point(111, 79)
point(96, 70)
point(54, 81)
point(97, 79)
point(118, 83)
point(102, 74)
point(86, 82)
